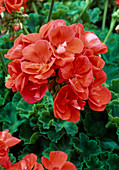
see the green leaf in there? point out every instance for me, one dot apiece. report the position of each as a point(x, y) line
point(52, 134)
point(74, 157)
point(37, 148)
point(103, 157)
point(94, 122)
point(12, 158)
point(94, 14)
point(32, 21)
point(85, 146)
point(24, 108)
point(94, 163)
point(8, 115)
point(26, 131)
point(113, 162)
point(62, 145)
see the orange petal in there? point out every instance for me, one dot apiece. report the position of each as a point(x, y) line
point(16, 53)
point(68, 166)
point(75, 46)
point(31, 158)
point(38, 167)
point(95, 107)
point(92, 41)
point(58, 158)
point(40, 52)
point(67, 71)
point(30, 67)
point(46, 162)
point(31, 38)
point(75, 115)
point(61, 34)
point(3, 134)
point(12, 141)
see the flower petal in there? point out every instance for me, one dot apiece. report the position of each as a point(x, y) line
point(58, 158)
point(46, 162)
point(68, 166)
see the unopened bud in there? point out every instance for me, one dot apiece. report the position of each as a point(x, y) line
point(12, 37)
point(117, 29)
point(21, 9)
point(3, 31)
point(25, 16)
point(16, 27)
point(20, 26)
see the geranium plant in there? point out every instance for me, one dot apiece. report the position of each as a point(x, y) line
point(59, 85)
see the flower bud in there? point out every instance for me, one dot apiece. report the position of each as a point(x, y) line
point(16, 27)
point(20, 26)
point(117, 29)
point(12, 37)
point(4, 30)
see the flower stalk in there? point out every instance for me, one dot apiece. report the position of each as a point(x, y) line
point(50, 11)
point(25, 30)
point(112, 25)
point(34, 8)
point(105, 14)
point(3, 63)
point(87, 5)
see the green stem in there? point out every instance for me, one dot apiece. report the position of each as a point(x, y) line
point(34, 8)
point(3, 63)
point(113, 22)
point(105, 14)
point(87, 5)
point(25, 30)
point(50, 11)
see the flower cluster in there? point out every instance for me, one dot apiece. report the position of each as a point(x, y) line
point(6, 141)
point(58, 160)
point(66, 60)
point(10, 5)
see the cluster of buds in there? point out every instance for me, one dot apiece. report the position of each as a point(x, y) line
point(11, 23)
point(115, 15)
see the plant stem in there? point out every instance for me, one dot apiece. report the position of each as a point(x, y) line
point(34, 8)
point(87, 5)
point(50, 11)
point(113, 22)
point(25, 30)
point(3, 63)
point(105, 14)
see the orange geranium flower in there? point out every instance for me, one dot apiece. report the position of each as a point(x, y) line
point(80, 75)
point(28, 163)
point(58, 161)
point(19, 44)
point(6, 141)
point(18, 79)
point(90, 39)
point(65, 45)
point(13, 5)
point(67, 104)
point(58, 54)
point(33, 92)
point(99, 95)
point(63, 40)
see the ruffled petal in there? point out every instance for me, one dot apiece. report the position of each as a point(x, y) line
point(58, 158)
point(68, 166)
